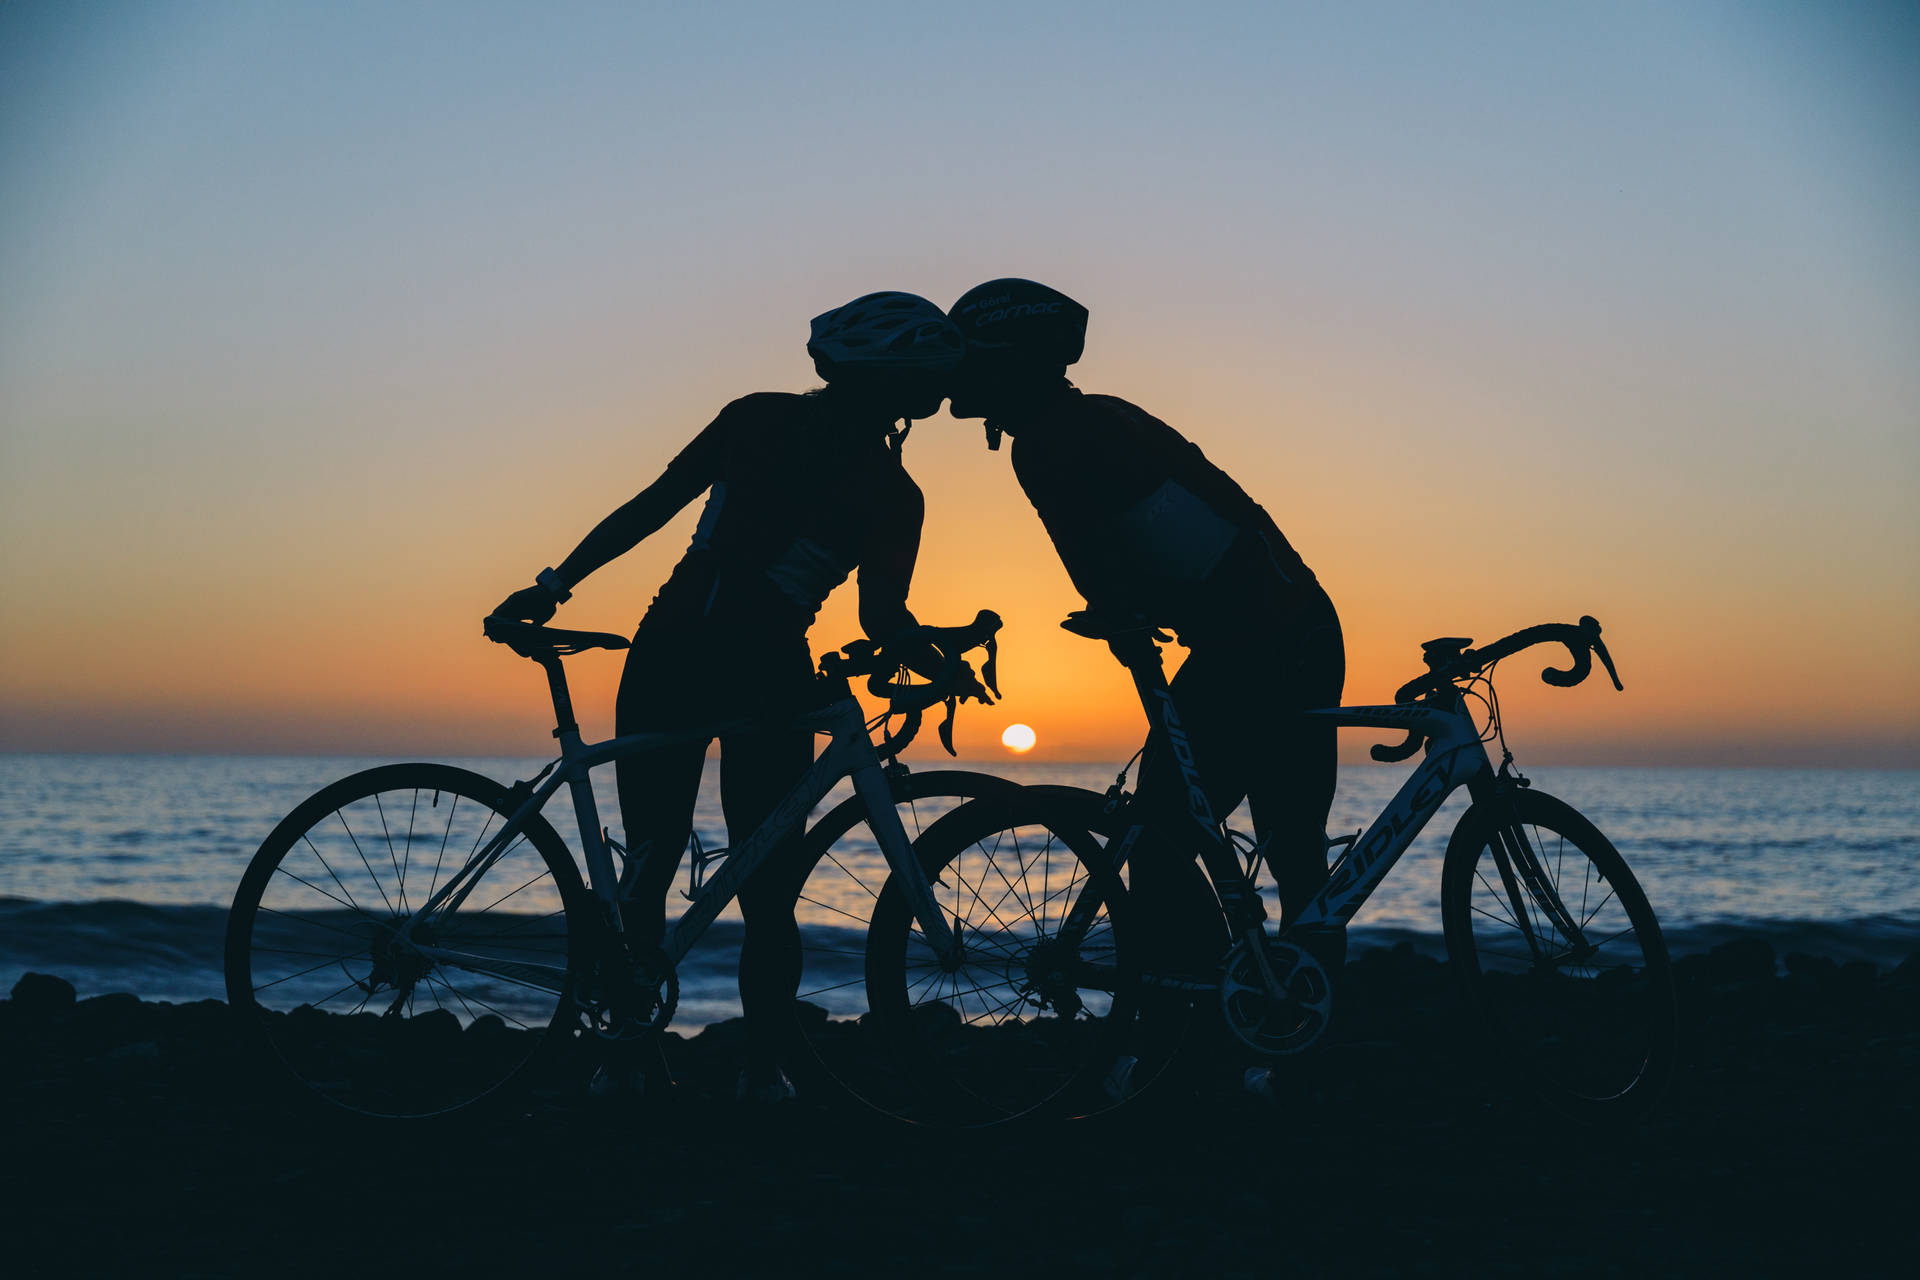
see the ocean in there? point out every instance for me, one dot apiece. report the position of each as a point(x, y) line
point(116, 872)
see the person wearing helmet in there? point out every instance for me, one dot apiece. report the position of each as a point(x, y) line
point(1148, 528)
point(801, 491)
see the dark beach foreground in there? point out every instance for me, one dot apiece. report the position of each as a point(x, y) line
point(149, 1138)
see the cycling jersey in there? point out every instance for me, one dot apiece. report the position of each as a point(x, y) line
point(789, 515)
point(1146, 525)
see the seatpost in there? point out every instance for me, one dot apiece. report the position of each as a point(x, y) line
point(562, 700)
point(1141, 657)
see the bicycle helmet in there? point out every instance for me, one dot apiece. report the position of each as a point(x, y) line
point(1023, 320)
point(884, 333)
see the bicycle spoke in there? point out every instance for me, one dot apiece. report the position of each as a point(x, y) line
point(332, 960)
point(849, 873)
point(825, 906)
point(341, 814)
point(444, 836)
point(289, 951)
point(499, 1013)
point(312, 924)
point(351, 986)
point(282, 870)
point(336, 879)
point(400, 880)
point(456, 995)
point(406, 858)
point(1493, 893)
point(992, 913)
point(1598, 907)
point(542, 874)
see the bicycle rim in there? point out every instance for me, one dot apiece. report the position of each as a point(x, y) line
point(373, 1009)
point(1025, 1020)
point(1557, 947)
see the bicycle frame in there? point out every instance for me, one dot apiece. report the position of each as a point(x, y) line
point(849, 754)
point(1455, 757)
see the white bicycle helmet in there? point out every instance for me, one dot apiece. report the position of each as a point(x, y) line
point(885, 333)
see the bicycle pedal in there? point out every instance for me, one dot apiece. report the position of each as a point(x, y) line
point(1118, 1085)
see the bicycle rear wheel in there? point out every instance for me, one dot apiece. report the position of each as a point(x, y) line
point(1031, 1013)
point(1557, 949)
point(377, 1012)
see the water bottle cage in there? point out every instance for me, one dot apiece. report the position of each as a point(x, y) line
point(700, 861)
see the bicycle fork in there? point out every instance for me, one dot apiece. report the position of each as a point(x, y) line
point(870, 784)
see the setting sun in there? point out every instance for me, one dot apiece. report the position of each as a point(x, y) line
point(1018, 739)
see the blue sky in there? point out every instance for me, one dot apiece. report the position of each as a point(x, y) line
point(1642, 276)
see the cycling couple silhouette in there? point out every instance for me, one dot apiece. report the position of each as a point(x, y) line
point(804, 490)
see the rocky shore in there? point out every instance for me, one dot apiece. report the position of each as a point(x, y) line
point(150, 1138)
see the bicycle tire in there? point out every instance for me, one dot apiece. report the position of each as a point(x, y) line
point(328, 886)
point(844, 872)
point(1177, 928)
point(1019, 1027)
point(1593, 1025)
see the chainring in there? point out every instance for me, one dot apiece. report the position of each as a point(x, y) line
point(1270, 1026)
point(615, 1006)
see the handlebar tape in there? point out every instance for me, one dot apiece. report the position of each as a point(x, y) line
point(1391, 754)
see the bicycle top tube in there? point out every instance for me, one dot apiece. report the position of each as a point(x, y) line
point(954, 682)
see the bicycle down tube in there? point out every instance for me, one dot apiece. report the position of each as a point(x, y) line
point(843, 757)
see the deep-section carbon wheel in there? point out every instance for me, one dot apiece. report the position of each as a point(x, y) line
point(1031, 1013)
point(1557, 949)
point(380, 1009)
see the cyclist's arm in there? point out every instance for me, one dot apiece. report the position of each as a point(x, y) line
point(689, 475)
point(886, 572)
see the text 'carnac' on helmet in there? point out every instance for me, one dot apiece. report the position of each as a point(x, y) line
point(885, 333)
point(1022, 320)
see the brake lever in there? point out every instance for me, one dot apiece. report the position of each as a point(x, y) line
point(946, 726)
point(1606, 660)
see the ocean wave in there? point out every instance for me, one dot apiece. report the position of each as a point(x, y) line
point(175, 953)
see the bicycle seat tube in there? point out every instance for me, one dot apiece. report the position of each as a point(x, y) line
point(1245, 912)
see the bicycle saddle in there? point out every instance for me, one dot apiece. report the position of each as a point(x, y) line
point(1111, 626)
point(531, 640)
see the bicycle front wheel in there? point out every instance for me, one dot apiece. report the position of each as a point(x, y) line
point(1028, 1014)
point(1557, 949)
point(379, 1008)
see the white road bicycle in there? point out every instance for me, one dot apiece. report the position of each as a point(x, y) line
point(417, 938)
point(1554, 945)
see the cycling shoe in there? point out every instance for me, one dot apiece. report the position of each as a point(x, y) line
point(762, 1091)
point(612, 1084)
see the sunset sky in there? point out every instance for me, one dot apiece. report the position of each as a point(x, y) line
point(324, 326)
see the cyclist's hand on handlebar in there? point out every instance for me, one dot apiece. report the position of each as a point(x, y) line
point(967, 687)
point(529, 604)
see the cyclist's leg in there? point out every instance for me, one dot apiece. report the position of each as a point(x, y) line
point(659, 788)
point(756, 773)
point(1292, 764)
point(1173, 929)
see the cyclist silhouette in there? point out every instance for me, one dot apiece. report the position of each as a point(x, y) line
point(801, 490)
point(1149, 530)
